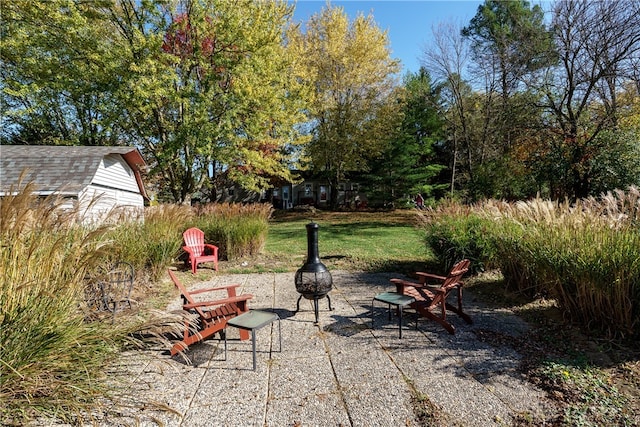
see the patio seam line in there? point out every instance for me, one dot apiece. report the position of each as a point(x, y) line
point(507, 405)
point(269, 364)
point(462, 365)
point(339, 388)
point(192, 398)
point(408, 381)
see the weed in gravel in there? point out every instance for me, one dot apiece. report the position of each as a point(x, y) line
point(592, 399)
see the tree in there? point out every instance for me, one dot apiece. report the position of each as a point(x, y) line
point(511, 35)
point(509, 42)
point(447, 60)
point(56, 73)
point(354, 106)
point(597, 45)
point(213, 92)
point(407, 166)
point(200, 86)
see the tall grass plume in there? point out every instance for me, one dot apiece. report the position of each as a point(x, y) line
point(50, 358)
point(586, 255)
point(237, 229)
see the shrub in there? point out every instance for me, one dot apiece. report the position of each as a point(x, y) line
point(153, 244)
point(455, 232)
point(238, 230)
point(585, 255)
point(49, 356)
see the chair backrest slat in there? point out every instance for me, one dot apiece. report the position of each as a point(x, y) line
point(194, 239)
point(456, 273)
point(186, 296)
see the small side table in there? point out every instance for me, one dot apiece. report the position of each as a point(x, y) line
point(395, 299)
point(253, 320)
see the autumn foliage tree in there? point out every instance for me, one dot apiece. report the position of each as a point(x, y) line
point(354, 108)
point(597, 44)
point(539, 109)
point(216, 96)
point(56, 74)
point(218, 92)
point(205, 88)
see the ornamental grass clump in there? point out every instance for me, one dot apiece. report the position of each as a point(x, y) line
point(50, 358)
point(53, 350)
point(238, 230)
point(593, 262)
point(586, 255)
point(511, 238)
point(455, 232)
point(150, 246)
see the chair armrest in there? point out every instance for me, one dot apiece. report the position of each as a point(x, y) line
point(404, 283)
point(218, 288)
point(456, 285)
point(188, 250)
point(230, 300)
point(210, 250)
point(401, 284)
point(424, 276)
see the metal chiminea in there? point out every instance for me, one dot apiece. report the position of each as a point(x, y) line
point(313, 279)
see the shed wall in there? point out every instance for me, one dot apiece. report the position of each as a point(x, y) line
point(97, 203)
point(115, 173)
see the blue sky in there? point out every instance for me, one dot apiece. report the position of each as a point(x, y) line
point(408, 23)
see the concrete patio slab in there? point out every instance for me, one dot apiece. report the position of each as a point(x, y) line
point(340, 372)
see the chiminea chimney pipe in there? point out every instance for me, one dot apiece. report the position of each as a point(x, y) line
point(313, 280)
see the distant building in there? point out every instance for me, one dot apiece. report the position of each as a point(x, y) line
point(311, 191)
point(96, 180)
point(317, 192)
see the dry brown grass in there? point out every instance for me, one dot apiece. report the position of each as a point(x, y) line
point(52, 359)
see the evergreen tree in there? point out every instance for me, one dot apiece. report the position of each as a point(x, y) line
point(406, 168)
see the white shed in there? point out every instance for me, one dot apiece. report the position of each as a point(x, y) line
point(95, 179)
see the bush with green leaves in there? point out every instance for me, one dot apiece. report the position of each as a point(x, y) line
point(594, 399)
point(586, 255)
point(455, 232)
point(238, 230)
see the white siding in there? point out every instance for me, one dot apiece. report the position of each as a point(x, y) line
point(98, 203)
point(115, 173)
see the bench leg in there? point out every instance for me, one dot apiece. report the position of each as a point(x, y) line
point(279, 335)
point(253, 347)
point(398, 307)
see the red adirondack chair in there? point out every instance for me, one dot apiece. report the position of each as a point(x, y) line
point(198, 250)
point(430, 298)
point(212, 315)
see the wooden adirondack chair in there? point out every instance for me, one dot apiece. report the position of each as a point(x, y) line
point(434, 298)
point(212, 315)
point(198, 250)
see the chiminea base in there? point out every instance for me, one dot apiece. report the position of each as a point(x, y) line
point(315, 304)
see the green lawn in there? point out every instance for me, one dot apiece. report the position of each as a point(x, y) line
point(380, 241)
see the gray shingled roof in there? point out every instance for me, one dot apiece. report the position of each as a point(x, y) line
point(67, 169)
